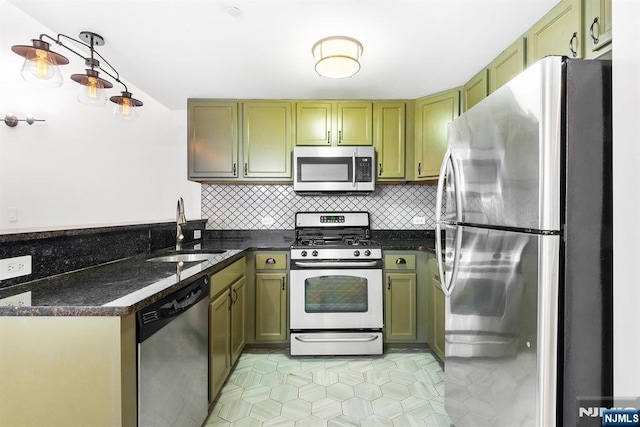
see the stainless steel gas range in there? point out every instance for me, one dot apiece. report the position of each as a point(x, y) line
point(336, 285)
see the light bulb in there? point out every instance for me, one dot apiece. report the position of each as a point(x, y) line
point(126, 106)
point(39, 68)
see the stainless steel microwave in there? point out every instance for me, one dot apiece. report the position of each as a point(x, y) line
point(334, 169)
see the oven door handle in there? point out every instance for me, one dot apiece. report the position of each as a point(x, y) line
point(366, 338)
point(314, 264)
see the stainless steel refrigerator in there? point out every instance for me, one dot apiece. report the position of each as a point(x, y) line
point(524, 231)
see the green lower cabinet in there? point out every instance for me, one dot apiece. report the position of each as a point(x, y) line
point(219, 343)
point(271, 307)
point(400, 307)
point(437, 302)
point(238, 313)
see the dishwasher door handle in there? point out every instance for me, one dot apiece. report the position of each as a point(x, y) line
point(177, 306)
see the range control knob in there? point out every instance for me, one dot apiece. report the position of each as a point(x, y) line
point(303, 253)
point(367, 252)
point(314, 253)
point(356, 253)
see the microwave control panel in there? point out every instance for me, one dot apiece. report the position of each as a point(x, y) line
point(364, 169)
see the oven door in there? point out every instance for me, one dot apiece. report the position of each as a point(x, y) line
point(335, 298)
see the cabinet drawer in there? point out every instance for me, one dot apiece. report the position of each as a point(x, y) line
point(225, 277)
point(271, 261)
point(400, 262)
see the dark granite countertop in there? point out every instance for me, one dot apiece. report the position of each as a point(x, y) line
point(122, 287)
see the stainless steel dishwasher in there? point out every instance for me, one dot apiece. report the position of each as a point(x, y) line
point(172, 338)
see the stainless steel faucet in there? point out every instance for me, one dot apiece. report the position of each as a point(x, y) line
point(180, 221)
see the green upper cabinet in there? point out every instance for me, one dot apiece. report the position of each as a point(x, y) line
point(354, 123)
point(433, 114)
point(559, 32)
point(267, 139)
point(313, 123)
point(213, 139)
point(598, 27)
point(476, 89)
point(510, 63)
point(389, 139)
point(334, 123)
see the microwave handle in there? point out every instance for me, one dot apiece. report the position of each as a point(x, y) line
point(353, 182)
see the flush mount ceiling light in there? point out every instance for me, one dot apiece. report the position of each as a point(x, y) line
point(41, 67)
point(337, 57)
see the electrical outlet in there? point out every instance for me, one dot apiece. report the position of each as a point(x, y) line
point(419, 220)
point(20, 300)
point(267, 220)
point(197, 234)
point(15, 267)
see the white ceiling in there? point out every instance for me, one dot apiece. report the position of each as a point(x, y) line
point(178, 49)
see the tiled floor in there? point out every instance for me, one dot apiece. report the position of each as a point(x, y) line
point(271, 388)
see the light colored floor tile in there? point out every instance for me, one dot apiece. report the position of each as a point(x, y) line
point(387, 407)
point(343, 421)
point(407, 364)
point(340, 392)
point(376, 421)
point(299, 379)
point(377, 375)
point(402, 377)
point(311, 421)
point(247, 422)
point(350, 378)
point(360, 366)
point(296, 409)
point(312, 392)
point(229, 393)
point(248, 379)
point(283, 393)
point(357, 408)
point(395, 390)
point(424, 390)
point(289, 366)
point(214, 421)
point(367, 391)
point(266, 410)
point(273, 379)
point(437, 420)
point(406, 420)
point(326, 408)
point(279, 422)
point(235, 410)
point(325, 378)
point(265, 366)
point(256, 393)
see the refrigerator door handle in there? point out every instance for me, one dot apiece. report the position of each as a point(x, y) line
point(448, 283)
point(449, 159)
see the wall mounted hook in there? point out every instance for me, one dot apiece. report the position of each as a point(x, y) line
point(12, 121)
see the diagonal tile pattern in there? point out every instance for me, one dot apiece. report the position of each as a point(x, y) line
point(403, 387)
point(242, 207)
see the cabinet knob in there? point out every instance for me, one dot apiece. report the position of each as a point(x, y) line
point(339, 137)
point(574, 52)
point(234, 169)
point(419, 169)
point(329, 137)
point(593, 37)
point(270, 261)
point(389, 282)
point(401, 261)
point(380, 169)
point(283, 284)
point(246, 168)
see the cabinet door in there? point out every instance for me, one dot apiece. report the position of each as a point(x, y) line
point(213, 139)
point(559, 32)
point(433, 114)
point(354, 123)
point(475, 90)
point(267, 139)
point(219, 351)
point(313, 123)
point(507, 65)
point(598, 27)
point(271, 306)
point(400, 307)
point(437, 308)
point(389, 139)
point(238, 314)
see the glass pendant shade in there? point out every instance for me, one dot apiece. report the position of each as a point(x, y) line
point(92, 91)
point(40, 64)
point(337, 57)
point(126, 106)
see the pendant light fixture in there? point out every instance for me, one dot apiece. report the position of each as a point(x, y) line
point(41, 66)
point(337, 57)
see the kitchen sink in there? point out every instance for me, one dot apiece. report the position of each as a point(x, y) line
point(187, 256)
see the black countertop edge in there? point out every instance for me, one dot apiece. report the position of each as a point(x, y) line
point(37, 235)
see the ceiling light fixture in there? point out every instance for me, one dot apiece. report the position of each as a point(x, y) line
point(41, 67)
point(337, 57)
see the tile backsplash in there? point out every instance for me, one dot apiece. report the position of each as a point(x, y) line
point(392, 207)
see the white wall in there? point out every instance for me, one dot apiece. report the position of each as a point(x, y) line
point(626, 183)
point(82, 167)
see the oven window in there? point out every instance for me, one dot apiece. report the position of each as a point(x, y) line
point(336, 294)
